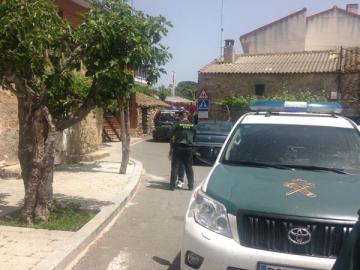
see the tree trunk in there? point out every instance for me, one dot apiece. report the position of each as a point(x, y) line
point(125, 133)
point(37, 136)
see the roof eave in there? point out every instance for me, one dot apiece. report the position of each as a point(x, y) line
point(334, 8)
point(83, 3)
point(270, 73)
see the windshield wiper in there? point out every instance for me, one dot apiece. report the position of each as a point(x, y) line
point(283, 166)
point(316, 168)
point(256, 164)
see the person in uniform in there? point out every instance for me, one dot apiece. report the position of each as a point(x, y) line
point(181, 141)
point(181, 173)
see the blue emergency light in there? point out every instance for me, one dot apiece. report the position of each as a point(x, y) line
point(295, 106)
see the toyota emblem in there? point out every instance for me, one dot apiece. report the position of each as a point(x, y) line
point(299, 236)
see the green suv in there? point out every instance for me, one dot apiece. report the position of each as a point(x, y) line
point(283, 193)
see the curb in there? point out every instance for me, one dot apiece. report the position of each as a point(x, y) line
point(65, 254)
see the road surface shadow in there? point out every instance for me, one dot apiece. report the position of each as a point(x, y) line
point(85, 203)
point(158, 185)
point(157, 141)
point(5, 208)
point(174, 265)
point(91, 167)
point(164, 186)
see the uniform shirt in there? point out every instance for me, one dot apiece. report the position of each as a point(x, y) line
point(183, 133)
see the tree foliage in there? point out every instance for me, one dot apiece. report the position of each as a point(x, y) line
point(39, 62)
point(163, 92)
point(119, 41)
point(32, 34)
point(186, 89)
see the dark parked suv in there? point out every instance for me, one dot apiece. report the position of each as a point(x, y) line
point(164, 121)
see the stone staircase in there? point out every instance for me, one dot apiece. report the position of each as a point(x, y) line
point(111, 128)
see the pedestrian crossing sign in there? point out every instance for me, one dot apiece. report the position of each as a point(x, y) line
point(203, 95)
point(203, 105)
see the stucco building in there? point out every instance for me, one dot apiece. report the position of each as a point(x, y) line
point(296, 53)
point(326, 30)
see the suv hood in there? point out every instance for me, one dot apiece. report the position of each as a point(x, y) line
point(264, 190)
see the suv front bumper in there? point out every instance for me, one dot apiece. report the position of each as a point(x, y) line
point(220, 252)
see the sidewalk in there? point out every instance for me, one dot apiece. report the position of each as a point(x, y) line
point(95, 185)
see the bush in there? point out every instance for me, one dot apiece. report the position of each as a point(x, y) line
point(235, 100)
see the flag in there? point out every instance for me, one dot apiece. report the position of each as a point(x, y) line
point(349, 257)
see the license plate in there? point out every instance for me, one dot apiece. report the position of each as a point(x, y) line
point(265, 266)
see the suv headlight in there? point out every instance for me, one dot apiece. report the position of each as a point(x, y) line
point(210, 214)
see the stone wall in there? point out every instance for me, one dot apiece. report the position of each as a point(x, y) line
point(83, 138)
point(145, 123)
point(350, 94)
point(219, 86)
point(9, 130)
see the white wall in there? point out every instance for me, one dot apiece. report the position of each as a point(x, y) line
point(324, 31)
point(331, 30)
point(285, 35)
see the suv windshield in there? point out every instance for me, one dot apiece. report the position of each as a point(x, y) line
point(304, 147)
point(167, 117)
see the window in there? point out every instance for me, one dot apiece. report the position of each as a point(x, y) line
point(259, 89)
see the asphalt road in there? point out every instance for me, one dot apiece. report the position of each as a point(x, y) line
point(147, 235)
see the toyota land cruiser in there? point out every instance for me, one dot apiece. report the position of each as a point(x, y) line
point(283, 193)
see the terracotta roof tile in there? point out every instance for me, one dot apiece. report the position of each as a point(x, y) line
point(296, 62)
point(143, 100)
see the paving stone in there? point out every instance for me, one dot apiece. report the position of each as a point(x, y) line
point(92, 184)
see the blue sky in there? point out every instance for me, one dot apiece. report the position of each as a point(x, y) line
point(194, 39)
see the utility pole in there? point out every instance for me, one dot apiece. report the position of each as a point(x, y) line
point(173, 84)
point(221, 27)
point(339, 79)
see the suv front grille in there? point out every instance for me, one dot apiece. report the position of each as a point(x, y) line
point(270, 233)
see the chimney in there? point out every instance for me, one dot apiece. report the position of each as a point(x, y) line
point(352, 8)
point(229, 51)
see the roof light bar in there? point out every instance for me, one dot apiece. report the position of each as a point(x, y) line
point(267, 105)
point(295, 106)
point(325, 107)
